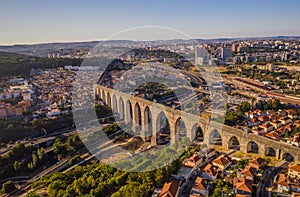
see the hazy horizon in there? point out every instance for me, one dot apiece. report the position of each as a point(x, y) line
point(33, 22)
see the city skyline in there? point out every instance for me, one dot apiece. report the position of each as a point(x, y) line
point(42, 22)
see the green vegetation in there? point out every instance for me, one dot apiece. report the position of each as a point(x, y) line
point(11, 128)
point(221, 188)
point(233, 117)
point(22, 160)
point(273, 104)
point(74, 160)
point(103, 180)
point(7, 187)
point(14, 64)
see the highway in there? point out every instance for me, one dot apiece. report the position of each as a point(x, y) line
point(95, 147)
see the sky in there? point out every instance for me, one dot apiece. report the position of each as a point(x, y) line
point(42, 21)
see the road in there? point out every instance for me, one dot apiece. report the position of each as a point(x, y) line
point(61, 165)
point(267, 180)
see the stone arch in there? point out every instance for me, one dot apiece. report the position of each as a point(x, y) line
point(180, 129)
point(121, 109)
point(137, 117)
point(234, 143)
point(163, 134)
point(252, 147)
point(197, 133)
point(215, 137)
point(114, 104)
point(288, 157)
point(108, 99)
point(148, 124)
point(270, 152)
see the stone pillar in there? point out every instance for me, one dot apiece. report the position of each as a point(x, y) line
point(154, 130)
point(261, 149)
point(225, 141)
point(134, 116)
point(173, 133)
point(144, 126)
point(278, 152)
point(189, 131)
point(243, 145)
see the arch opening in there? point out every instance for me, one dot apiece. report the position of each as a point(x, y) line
point(270, 152)
point(215, 138)
point(234, 143)
point(128, 114)
point(163, 134)
point(288, 157)
point(252, 147)
point(138, 117)
point(148, 124)
point(197, 133)
point(180, 129)
point(121, 109)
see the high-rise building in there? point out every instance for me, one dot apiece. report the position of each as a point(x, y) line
point(201, 56)
point(225, 53)
point(235, 47)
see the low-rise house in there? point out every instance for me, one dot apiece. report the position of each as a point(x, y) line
point(54, 112)
point(210, 152)
point(295, 194)
point(294, 171)
point(170, 189)
point(252, 122)
point(274, 135)
point(289, 127)
point(272, 117)
point(201, 186)
point(222, 162)
point(295, 187)
point(282, 113)
point(210, 172)
point(193, 161)
point(242, 186)
point(285, 120)
point(247, 173)
point(282, 183)
point(295, 141)
point(257, 163)
point(267, 127)
point(263, 118)
point(276, 124)
point(292, 114)
point(257, 131)
point(297, 123)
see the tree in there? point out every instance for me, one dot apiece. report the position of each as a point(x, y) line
point(57, 146)
point(276, 104)
point(17, 166)
point(32, 194)
point(41, 153)
point(244, 106)
point(8, 186)
point(74, 160)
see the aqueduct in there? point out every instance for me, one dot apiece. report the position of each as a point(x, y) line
point(156, 123)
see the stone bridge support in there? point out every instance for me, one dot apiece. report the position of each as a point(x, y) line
point(138, 115)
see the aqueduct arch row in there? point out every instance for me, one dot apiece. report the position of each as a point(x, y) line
point(157, 124)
